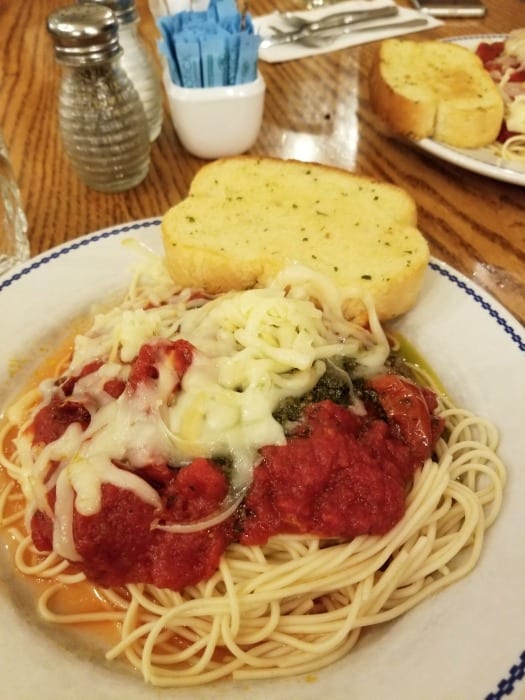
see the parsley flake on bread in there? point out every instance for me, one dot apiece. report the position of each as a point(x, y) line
point(246, 218)
point(435, 89)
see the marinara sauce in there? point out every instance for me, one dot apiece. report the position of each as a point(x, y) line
point(339, 475)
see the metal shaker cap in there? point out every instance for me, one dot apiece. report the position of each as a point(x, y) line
point(84, 34)
point(125, 10)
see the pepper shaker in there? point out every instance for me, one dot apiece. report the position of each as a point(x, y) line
point(102, 119)
point(137, 61)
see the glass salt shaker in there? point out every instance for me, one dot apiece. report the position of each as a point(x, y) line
point(102, 119)
point(137, 61)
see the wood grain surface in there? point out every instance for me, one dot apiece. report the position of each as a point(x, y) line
point(316, 109)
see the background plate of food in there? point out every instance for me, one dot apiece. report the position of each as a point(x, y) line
point(492, 160)
point(462, 100)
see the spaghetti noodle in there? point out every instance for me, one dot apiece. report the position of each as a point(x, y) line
point(297, 602)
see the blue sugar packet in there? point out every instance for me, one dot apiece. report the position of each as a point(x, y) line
point(214, 61)
point(246, 64)
point(166, 46)
point(194, 20)
point(188, 60)
point(224, 9)
point(173, 25)
point(173, 66)
point(232, 48)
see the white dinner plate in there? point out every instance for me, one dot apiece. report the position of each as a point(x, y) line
point(465, 643)
point(478, 160)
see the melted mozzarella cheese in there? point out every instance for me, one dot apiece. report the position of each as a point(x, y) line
point(86, 475)
point(126, 330)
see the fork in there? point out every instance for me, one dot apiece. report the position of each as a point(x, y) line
point(297, 23)
point(337, 21)
point(320, 40)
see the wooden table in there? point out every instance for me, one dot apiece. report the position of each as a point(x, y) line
point(316, 109)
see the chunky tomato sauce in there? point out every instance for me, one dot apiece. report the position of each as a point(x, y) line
point(118, 544)
point(343, 475)
point(338, 476)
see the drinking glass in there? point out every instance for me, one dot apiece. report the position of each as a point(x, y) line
point(14, 245)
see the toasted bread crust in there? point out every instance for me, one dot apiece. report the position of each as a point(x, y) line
point(246, 218)
point(435, 89)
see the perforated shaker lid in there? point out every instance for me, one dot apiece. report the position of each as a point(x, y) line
point(84, 34)
point(125, 10)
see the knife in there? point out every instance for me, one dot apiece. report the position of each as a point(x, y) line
point(329, 33)
point(326, 24)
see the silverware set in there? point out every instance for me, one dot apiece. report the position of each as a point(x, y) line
point(319, 33)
